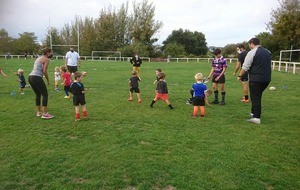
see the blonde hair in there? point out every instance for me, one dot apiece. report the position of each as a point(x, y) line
point(199, 77)
point(57, 69)
point(20, 71)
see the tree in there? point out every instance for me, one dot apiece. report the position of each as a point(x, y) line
point(142, 25)
point(285, 24)
point(194, 42)
point(5, 42)
point(26, 43)
point(174, 49)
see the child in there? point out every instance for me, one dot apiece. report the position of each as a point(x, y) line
point(219, 65)
point(57, 77)
point(78, 92)
point(67, 80)
point(21, 79)
point(134, 86)
point(199, 95)
point(162, 91)
point(156, 74)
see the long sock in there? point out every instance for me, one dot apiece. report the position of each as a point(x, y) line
point(77, 116)
point(153, 102)
point(202, 111)
point(195, 111)
point(246, 97)
point(170, 106)
point(216, 95)
point(84, 113)
point(223, 96)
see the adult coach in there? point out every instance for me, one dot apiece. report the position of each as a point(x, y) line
point(258, 64)
point(72, 61)
point(40, 69)
point(245, 78)
point(136, 62)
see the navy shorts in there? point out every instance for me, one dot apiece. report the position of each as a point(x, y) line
point(198, 101)
point(79, 99)
point(221, 79)
point(136, 90)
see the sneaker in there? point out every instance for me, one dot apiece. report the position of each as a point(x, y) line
point(139, 101)
point(151, 106)
point(188, 102)
point(245, 101)
point(254, 120)
point(67, 97)
point(47, 116)
point(77, 119)
point(130, 99)
point(222, 103)
point(215, 102)
point(38, 114)
point(22, 93)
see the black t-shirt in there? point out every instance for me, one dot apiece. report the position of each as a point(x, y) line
point(162, 87)
point(134, 82)
point(77, 88)
point(242, 56)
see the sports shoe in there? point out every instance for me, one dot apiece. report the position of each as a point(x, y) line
point(222, 103)
point(77, 119)
point(47, 116)
point(38, 114)
point(22, 93)
point(189, 102)
point(245, 101)
point(130, 99)
point(67, 97)
point(215, 102)
point(254, 120)
point(139, 101)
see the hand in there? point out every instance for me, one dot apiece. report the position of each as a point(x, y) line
point(234, 73)
point(217, 78)
point(239, 78)
point(48, 82)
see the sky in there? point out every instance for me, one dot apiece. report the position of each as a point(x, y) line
point(221, 21)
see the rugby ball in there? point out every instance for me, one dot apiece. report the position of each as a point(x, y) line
point(272, 88)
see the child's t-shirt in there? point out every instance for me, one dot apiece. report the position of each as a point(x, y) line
point(67, 78)
point(199, 89)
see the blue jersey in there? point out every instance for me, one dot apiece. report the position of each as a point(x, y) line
point(199, 89)
point(218, 65)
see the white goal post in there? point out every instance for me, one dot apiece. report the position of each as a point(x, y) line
point(106, 55)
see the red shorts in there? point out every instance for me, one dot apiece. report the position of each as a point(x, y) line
point(164, 97)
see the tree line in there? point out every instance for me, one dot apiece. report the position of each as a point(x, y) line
point(118, 30)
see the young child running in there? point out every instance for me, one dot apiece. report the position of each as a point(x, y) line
point(199, 95)
point(78, 98)
point(21, 79)
point(134, 86)
point(162, 91)
point(56, 78)
point(67, 80)
point(156, 74)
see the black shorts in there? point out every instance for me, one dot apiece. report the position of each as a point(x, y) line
point(79, 99)
point(72, 69)
point(245, 77)
point(198, 101)
point(136, 90)
point(221, 79)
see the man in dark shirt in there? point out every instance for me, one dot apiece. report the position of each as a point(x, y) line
point(258, 64)
point(136, 62)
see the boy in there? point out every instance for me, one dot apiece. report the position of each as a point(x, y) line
point(21, 79)
point(134, 86)
point(199, 95)
point(78, 91)
point(162, 91)
point(219, 65)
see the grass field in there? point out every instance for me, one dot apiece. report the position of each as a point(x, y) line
point(127, 145)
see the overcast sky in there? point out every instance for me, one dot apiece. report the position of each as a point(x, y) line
point(221, 21)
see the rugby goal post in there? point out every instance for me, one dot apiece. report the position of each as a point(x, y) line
point(106, 55)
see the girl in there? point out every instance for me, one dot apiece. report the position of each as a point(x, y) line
point(67, 80)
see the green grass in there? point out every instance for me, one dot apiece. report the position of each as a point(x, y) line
point(126, 145)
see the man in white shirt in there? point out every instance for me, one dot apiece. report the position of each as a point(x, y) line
point(72, 60)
